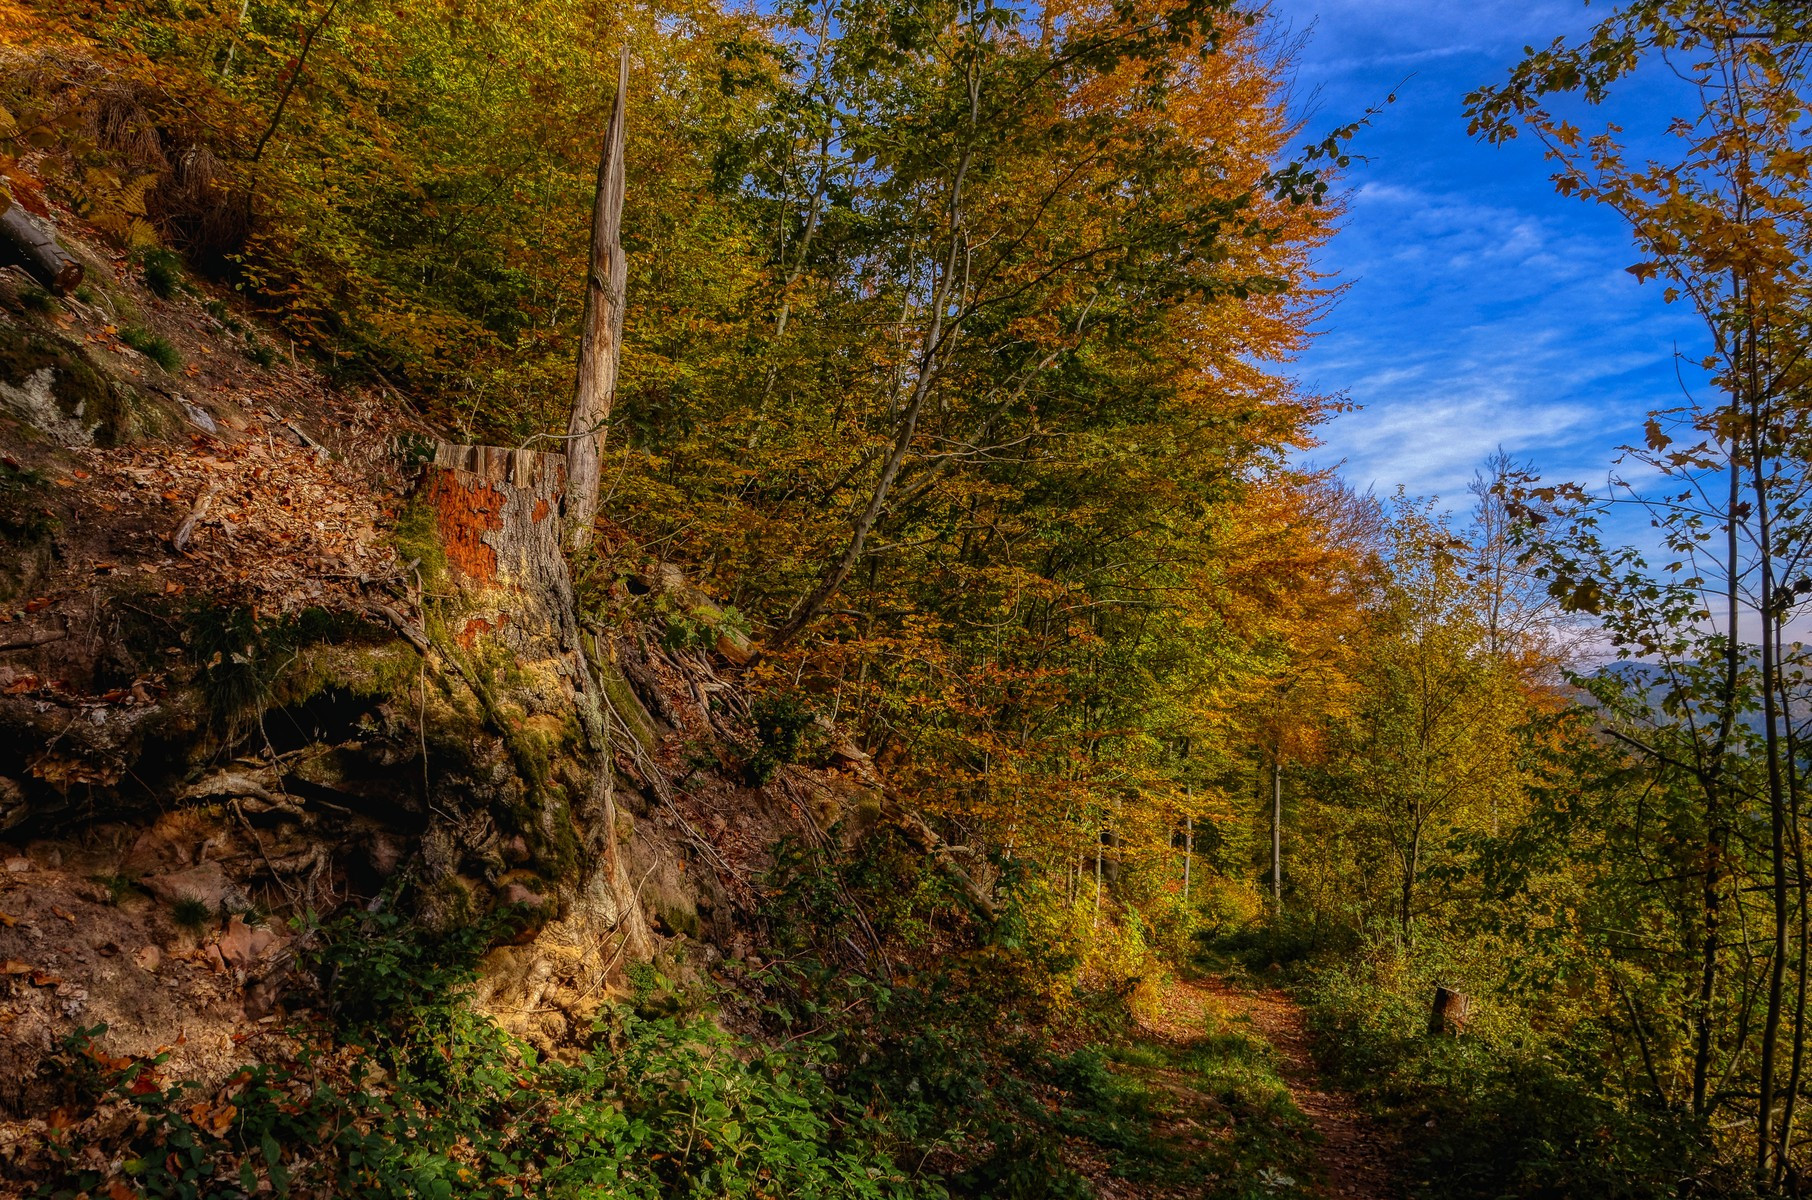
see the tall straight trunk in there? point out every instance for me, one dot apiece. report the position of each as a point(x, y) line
point(1765, 1162)
point(1412, 863)
point(1097, 881)
point(1277, 834)
point(601, 339)
point(1796, 1066)
point(1713, 783)
point(1188, 852)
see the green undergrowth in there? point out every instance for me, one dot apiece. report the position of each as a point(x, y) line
point(244, 659)
point(401, 1090)
point(153, 346)
point(943, 1083)
point(1211, 1116)
point(1507, 1109)
point(967, 1061)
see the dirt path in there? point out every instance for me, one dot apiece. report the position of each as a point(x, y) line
point(1355, 1157)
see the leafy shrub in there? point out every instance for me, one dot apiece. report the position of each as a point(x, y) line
point(1506, 1109)
point(409, 1093)
point(782, 723)
point(699, 627)
point(153, 346)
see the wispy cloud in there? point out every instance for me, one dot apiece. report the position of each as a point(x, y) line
point(1482, 309)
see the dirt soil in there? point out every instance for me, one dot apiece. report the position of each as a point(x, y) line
point(1356, 1158)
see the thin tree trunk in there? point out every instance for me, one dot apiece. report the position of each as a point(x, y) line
point(1795, 1070)
point(1712, 884)
point(1188, 852)
point(601, 343)
point(1277, 835)
point(1412, 864)
point(1765, 1164)
point(289, 86)
point(938, 338)
point(1097, 880)
point(233, 45)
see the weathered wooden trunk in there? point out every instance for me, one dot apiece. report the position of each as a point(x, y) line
point(498, 515)
point(511, 631)
point(25, 242)
point(1449, 1012)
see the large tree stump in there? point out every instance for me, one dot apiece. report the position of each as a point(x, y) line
point(511, 632)
point(498, 515)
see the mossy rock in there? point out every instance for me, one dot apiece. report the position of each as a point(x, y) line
point(52, 387)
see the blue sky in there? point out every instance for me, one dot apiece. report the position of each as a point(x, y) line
point(1482, 309)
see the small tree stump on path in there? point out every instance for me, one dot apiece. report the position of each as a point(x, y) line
point(1449, 1012)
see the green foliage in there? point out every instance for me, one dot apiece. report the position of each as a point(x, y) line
point(36, 299)
point(162, 272)
point(413, 450)
point(416, 537)
point(699, 627)
point(241, 655)
point(783, 723)
point(432, 1100)
point(24, 516)
point(153, 346)
point(119, 887)
point(1517, 1105)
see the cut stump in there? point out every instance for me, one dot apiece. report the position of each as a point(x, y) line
point(26, 242)
point(1449, 1012)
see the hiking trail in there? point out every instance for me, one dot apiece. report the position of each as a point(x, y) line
point(1355, 1157)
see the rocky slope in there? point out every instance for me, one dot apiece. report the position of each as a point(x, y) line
point(252, 669)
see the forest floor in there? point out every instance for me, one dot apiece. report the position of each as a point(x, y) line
point(1210, 1019)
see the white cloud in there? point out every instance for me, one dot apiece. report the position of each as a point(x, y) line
point(1481, 309)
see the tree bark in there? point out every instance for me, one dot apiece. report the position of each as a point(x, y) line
point(1188, 852)
point(1277, 834)
point(27, 243)
point(1449, 1011)
point(601, 343)
point(496, 513)
point(510, 630)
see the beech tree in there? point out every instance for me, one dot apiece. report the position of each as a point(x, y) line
point(1722, 223)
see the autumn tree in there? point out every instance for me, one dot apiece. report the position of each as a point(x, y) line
point(1722, 222)
point(1428, 748)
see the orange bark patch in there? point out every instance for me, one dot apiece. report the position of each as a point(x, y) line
point(477, 625)
point(465, 513)
point(540, 511)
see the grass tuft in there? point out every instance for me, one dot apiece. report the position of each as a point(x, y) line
point(154, 347)
point(162, 272)
point(191, 914)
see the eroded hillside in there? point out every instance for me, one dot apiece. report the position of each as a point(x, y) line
point(239, 685)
